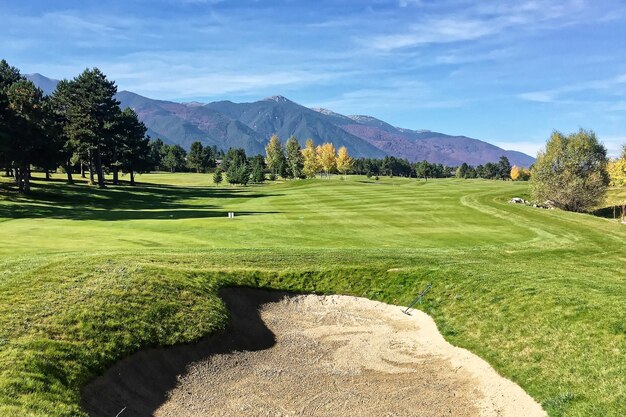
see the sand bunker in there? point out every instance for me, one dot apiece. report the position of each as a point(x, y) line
point(307, 355)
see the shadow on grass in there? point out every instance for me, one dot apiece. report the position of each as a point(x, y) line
point(57, 200)
point(610, 212)
point(142, 381)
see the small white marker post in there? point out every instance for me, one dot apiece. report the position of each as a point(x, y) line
point(231, 215)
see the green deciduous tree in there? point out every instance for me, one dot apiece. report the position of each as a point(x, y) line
point(423, 170)
point(274, 155)
point(174, 158)
point(294, 158)
point(572, 171)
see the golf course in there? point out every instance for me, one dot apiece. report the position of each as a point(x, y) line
point(90, 276)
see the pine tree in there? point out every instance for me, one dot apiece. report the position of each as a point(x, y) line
point(504, 168)
point(195, 157)
point(236, 165)
point(91, 113)
point(217, 176)
point(27, 141)
point(157, 152)
point(59, 102)
point(257, 169)
point(134, 145)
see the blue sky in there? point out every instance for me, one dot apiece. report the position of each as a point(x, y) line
point(508, 72)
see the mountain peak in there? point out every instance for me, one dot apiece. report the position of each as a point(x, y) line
point(362, 118)
point(278, 99)
point(48, 85)
point(326, 112)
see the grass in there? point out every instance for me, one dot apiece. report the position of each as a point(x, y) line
point(88, 276)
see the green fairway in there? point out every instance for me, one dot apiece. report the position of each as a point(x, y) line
point(88, 276)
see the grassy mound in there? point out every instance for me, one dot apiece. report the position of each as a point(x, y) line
point(88, 276)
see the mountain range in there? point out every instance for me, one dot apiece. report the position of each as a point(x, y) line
point(249, 126)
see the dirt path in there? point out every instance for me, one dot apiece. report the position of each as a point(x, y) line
point(308, 355)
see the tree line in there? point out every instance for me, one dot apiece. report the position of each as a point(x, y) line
point(80, 127)
point(174, 158)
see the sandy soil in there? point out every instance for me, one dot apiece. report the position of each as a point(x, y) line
point(307, 355)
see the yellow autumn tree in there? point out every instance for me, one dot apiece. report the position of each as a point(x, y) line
point(344, 161)
point(519, 173)
point(326, 157)
point(617, 177)
point(617, 170)
point(309, 158)
point(515, 171)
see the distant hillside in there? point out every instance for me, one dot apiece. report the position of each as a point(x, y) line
point(48, 85)
point(285, 118)
point(416, 145)
point(249, 126)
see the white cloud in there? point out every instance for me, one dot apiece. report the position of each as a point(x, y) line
point(475, 22)
point(613, 143)
point(528, 147)
point(538, 96)
point(554, 95)
point(434, 31)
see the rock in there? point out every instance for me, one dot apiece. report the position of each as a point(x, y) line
point(517, 200)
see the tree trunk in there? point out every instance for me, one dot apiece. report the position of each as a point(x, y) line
point(91, 180)
point(26, 180)
point(47, 175)
point(115, 169)
point(17, 179)
point(98, 162)
point(132, 175)
point(68, 171)
point(82, 169)
point(22, 177)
